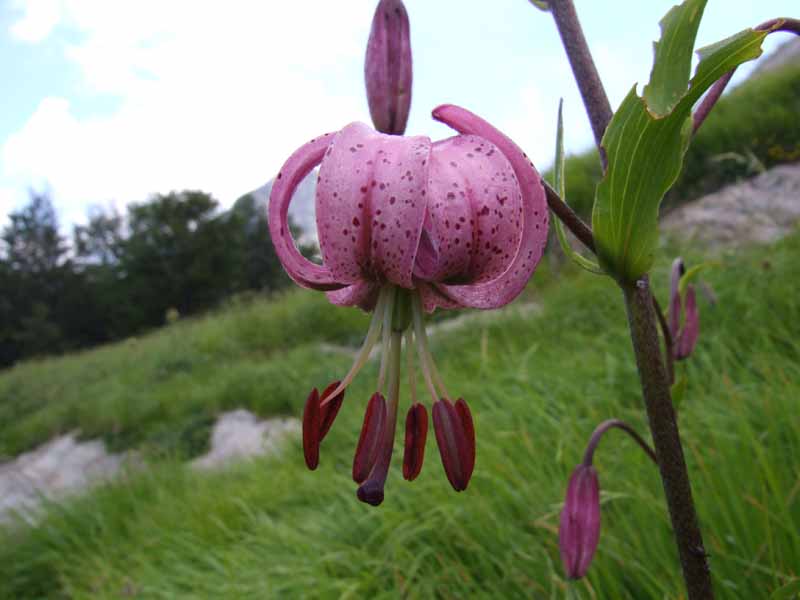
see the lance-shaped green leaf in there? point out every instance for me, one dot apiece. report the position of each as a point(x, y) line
point(645, 153)
point(560, 186)
point(541, 5)
point(672, 65)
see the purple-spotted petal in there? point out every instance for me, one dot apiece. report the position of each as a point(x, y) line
point(363, 294)
point(476, 208)
point(342, 202)
point(371, 204)
point(506, 286)
point(432, 298)
point(398, 203)
point(300, 269)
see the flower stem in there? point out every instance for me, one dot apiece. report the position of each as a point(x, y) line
point(588, 456)
point(580, 59)
point(644, 334)
point(569, 217)
point(666, 438)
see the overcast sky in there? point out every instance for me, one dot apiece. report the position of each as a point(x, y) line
point(110, 101)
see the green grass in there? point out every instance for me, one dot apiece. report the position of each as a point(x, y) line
point(162, 391)
point(537, 386)
point(756, 120)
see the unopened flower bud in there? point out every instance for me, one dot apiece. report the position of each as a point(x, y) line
point(579, 531)
point(684, 335)
point(387, 69)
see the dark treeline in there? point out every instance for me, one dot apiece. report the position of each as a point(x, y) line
point(122, 274)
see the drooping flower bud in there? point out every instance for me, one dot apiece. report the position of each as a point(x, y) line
point(387, 68)
point(579, 531)
point(416, 434)
point(684, 336)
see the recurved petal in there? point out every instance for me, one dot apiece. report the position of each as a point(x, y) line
point(300, 269)
point(476, 207)
point(342, 202)
point(398, 205)
point(311, 430)
point(687, 337)
point(432, 298)
point(506, 286)
point(579, 530)
point(369, 441)
point(416, 434)
point(362, 293)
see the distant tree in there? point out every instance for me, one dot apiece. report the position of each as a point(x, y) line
point(31, 240)
point(35, 273)
point(179, 254)
point(100, 240)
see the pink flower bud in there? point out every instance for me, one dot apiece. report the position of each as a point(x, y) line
point(580, 521)
point(387, 69)
point(684, 335)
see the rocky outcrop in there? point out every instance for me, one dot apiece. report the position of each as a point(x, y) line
point(762, 209)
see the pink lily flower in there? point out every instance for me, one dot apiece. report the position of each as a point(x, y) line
point(407, 225)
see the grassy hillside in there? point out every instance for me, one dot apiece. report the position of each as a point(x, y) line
point(537, 384)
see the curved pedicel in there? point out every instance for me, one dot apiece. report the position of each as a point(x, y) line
point(505, 287)
point(299, 268)
point(781, 24)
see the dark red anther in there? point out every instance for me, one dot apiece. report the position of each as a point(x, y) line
point(329, 409)
point(369, 440)
point(416, 434)
point(469, 433)
point(455, 436)
point(311, 430)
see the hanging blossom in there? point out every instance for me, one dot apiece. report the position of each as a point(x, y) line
point(579, 527)
point(406, 225)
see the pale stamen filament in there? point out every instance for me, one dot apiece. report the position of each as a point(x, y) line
point(412, 376)
point(419, 330)
point(426, 358)
point(369, 342)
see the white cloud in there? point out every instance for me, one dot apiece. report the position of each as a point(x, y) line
point(210, 96)
point(38, 19)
